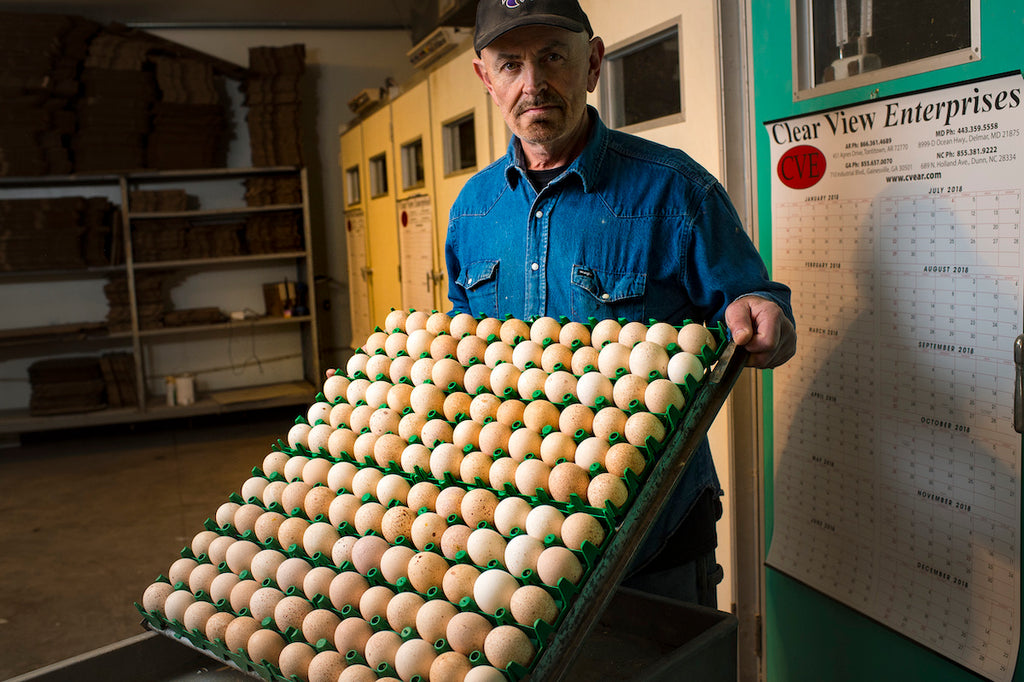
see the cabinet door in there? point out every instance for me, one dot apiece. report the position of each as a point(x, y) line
point(381, 227)
point(354, 190)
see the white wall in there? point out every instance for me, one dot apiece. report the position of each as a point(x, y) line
point(339, 65)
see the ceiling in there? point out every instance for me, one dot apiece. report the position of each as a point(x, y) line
point(335, 14)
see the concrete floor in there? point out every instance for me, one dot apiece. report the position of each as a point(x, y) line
point(89, 518)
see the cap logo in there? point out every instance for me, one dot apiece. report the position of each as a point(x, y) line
point(512, 4)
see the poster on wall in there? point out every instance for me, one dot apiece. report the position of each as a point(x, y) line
point(897, 223)
point(416, 243)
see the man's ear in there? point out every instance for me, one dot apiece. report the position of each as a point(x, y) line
point(481, 72)
point(596, 59)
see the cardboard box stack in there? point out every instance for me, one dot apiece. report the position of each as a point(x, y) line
point(272, 93)
point(190, 121)
point(57, 233)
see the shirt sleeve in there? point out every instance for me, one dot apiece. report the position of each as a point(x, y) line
point(721, 263)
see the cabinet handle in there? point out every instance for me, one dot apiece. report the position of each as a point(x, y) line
point(1018, 386)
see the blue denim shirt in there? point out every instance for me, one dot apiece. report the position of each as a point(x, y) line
point(630, 229)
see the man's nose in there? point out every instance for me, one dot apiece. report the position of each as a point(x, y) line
point(534, 78)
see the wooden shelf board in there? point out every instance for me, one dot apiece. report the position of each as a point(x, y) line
point(265, 321)
point(214, 212)
point(221, 260)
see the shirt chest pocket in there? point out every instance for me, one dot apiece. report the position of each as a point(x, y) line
point(480, 281)
point(607, 294)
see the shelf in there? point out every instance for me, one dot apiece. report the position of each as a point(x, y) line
point(215, 212)
point(63, 273)
point(108, 177)
point(61, 333)
point(239, 324)
point(220, 402)
point(221, 260)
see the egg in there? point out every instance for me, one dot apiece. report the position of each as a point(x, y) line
point(297, 435)
point(506, 644)
point(523, 442)
point(318, 581)
point(397, 522)
point(556, 357)
point(365, 481)
point(436, 431)
point(584, 359)
point(622, 456)
point(374, 602)
point(197, 615)
point(448, 374)
point(443, 346)
point(325, 666)
point(526, 354)
point(513, 329)
point(478, 507)
point(362, 449)
point(319, 437)
point(384, 420)
point(395, 344)
point(538, 414)
point(155, 595)
point(544, 520)
point(272, 492)
point(401, 372)
point(341, 415)
point(201, 577)
point(609, 420)
point(445, 458)
point(180, 570)
point(503, 473)
point(394, 563)
point(505, 379)
point(319, 538)
point(458, 582)
point(488, 327)
point(607, 487)
point(417, 319)
point(241, 594)
point(581, 527)
point(456, 404)
point(493, 590)
point(356, 364)
point(418, 343)
point(662, 334)
point(432, 619)
point(357, 391)
point(521, 554)
point(319, 624)
point(510, 412)
point(662, 394)
point(398, 398)
point(454, 540)
point(477, 379)
point(497, 353)
point(613, 359)
point(568, 479)
point(238, 631)
point(628, 392)
point(450, 665)
point(267, 524)
point(531, 603)
point(217, 625)
point(594, 389)
point(576, 418)
point(494, 437)
point(591, 451)
point(486, 545)
point(426, 399)
point(378, 368)
point(482, 673)
point(264, 564)
point(467, 433)
point(402, 609)
point(343, 509)
point(367, 551)
point(531, 383)
point(556, 447)
point(369, 517)
point(411, 425)
point(252, 488)
point(341, 442)
point(347, 589)
point(426, 570)
point(291, 611)
point(342, 550)
point(648, 359)
point(466, 632)
point(632, 333)
point(415, 455)
point(511, 513)
point(422, 494)
point(392, 489)
point(414, 659)
point(532, 476)
point(374, 342)
point(557, 562)
point(220, 588)
point(318, 502)
point(449, 501)
point(335, 386)
point(352, 634)
point(294, 494)
point(263, 602)
point(316, 469)
point(245, 517)
point(382, 647)
point(694, 336)
point(218, 549)
point(224, 516)
point(641, 426)
point(683, 365)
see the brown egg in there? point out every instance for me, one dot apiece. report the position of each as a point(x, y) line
point(342, 441)
point(217, 625)
point(467, 433)
point(607, 488)
point(443, 346)
point(604, 331)
point(557, 562)
point(622, 456)
point(609, 420)
point(411, 425)
point(395, 343)
point(265, 646)
point(475, 466)
point(201, 577)
point(576, 417)
point(507, 643)
point(426, 570)
point(462, 324)
point(342, 550)
point(647, 359)
point(694, 336)
point(197, 614)
point(238, 631)
point(245, 517)
point(514, 329)
point(494, 436)
point(478, 507)
point(418, 342)
point(397, 522)
point(526, 354)
point(384, 420)
point(241, 594)
point(367, 551)
point(487, 327)
point(374, 342)
point(445, 458)
point(523, 442)
point(448, 374)
point(593, 387)
point(450, 665)
point(454, 540)
point(511, 513)
point(613, 359)
point(427, 398)
point(290, 612)
point(318, 581)
point(392, 488)
point(399, 397)
point(436, 431)
point(264, 564)
point(352, 634)
point(335, 386)
point(343, 509)
point(267, 524)
point(466, 632)
point(567, 479)
point(584, 359)
point(511, 411)
point(319, 624)
point(272, 492)
point(382, 647)
point(477, 379)
point(580, 527)
point(362, 449)
point(531, 476)
point(414, 659)
point(394, 563)
point(628, 392)
point(497, 353)
point(402, 609)
point(449, 501)
point(531, 603)
point(395, 320)
point(374, 602)
point(325, 666)
point(365, 481)
point(458, 582)
point(369, 517)
point(642, 425)
point(415, 455)
point(263, 602)
point(341, 415)
point(291, 530)
point(493, 590)
point(502, 472)
point(556, 357)
point(544, 520)
point(540, 413)
point(505, 379)
point(556, 447)
point(438, 323)
point(318, 501)
point(220, 588)
point(456, 403)
point(560, 387)
point(422, 494)
point(291, 573)
point(346, 590)
point(486, 545)
point(378, 367)
point(531, 383)
point(417, 319)
point(432, 619)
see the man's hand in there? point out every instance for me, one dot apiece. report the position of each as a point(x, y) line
point(761, 327)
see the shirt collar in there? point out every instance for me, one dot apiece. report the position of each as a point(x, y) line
point(587, 166)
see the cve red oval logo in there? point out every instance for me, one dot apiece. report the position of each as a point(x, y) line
point(801, 167)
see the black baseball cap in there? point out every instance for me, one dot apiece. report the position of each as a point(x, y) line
point(495, 17)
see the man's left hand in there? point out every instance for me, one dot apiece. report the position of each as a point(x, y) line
point(763, 329)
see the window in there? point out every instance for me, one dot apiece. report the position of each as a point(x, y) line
point(842, 44)
point(644, 80)
point(412, 165)
point(378, 175)
point(352, 185)
point(459, 138)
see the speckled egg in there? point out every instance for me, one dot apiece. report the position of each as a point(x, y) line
point(531, 476)
point(458, 582)
point(531, 603)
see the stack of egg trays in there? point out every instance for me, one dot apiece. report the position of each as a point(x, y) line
point(564, 593)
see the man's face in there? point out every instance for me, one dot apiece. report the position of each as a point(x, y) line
point(539, 77)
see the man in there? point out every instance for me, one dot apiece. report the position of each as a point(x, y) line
point(581, 221)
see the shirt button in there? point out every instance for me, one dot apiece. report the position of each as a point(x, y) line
point(538, 214)
point(534, 267)
point(605, 296)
